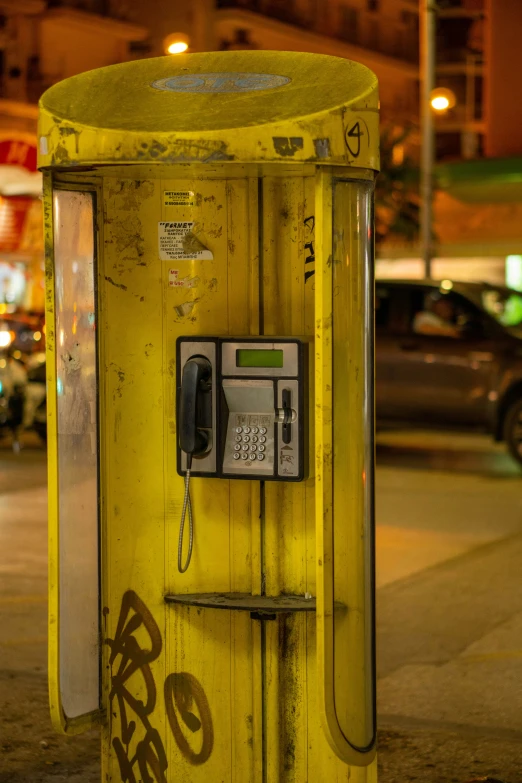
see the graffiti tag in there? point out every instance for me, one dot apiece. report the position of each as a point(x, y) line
point(185, 700)
point(309, 246)
point(149, 753)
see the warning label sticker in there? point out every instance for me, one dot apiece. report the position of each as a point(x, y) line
point(178, 198)
point(177, 242)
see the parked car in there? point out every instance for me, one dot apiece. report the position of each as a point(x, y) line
point(450, 354)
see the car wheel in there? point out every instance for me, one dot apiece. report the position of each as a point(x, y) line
point(513, 430)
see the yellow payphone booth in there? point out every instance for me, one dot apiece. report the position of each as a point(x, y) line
point(209, 270)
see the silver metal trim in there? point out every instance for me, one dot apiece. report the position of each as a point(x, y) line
point(290, 359)
point(254, 407)
point(288, 456)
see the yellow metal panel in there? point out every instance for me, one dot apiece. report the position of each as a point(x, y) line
point(324, 445)
point(200, 655)
point(353, 535)
point(216, 647)
point(237, 106)
point(132, 480)
point(57, 715)
point(298, 749)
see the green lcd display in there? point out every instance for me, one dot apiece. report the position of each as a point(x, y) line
point(258, 357)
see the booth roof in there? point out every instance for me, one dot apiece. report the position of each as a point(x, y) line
point(229, 106)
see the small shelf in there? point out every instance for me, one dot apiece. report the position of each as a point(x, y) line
point(244, 602)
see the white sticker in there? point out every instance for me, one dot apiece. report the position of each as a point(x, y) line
point(177, 242)
point(178, 198)
point(44, 149)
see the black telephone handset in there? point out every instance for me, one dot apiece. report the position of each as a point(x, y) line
point(195, 381)
point(194, 422)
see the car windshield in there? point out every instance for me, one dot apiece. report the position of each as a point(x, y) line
point(504, 305)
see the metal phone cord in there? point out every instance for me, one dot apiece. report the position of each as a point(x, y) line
point(187, 506)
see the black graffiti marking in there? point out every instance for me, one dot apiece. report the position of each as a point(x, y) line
point(355, 132)
point(149, 753)
point(287, 146)
point(309, 259)
point(184, 694)
point(181, 691)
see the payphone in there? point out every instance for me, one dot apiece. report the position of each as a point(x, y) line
point(241, 407)
point(241, 413)
point(209, 313)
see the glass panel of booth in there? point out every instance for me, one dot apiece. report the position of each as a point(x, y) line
point(76, 409)
point(353, 457)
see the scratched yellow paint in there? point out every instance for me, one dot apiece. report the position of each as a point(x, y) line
point(322, 100)
point(215, 695)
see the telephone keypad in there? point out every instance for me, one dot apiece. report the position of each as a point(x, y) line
point(250, 440)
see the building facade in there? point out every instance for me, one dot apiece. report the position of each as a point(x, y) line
point(478, 203)
point(44, 41)
point(41, 43)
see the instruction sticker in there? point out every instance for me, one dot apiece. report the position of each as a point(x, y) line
point(178, 198)
point(177, 242)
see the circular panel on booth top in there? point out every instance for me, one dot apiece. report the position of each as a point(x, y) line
point(126, 96)
point(222, 82)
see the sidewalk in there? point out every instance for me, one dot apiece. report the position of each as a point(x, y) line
point(30, 750)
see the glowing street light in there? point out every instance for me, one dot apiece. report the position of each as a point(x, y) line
point(442, 99)
point(177, 43)
point(440, 103)
point(177, 47)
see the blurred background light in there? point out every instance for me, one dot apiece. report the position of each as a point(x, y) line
point(176, 43)
point(442, 99)
point(514, 272)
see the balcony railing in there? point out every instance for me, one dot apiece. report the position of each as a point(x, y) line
point(99, 7)
point(387, 36)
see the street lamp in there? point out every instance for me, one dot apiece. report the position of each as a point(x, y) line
point(442, 99)
point(176, 43)
point(427, 74)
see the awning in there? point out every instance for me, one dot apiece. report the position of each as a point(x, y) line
point(18, 173)
point(492, 180)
